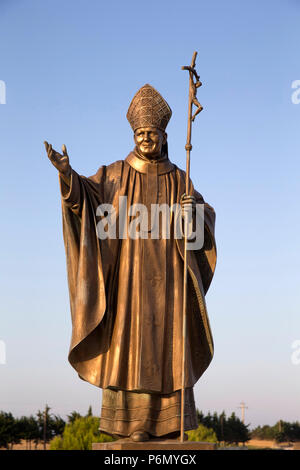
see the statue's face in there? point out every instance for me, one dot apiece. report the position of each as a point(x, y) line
point(149, 141)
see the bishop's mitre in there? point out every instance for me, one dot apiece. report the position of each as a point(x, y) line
point(148, 109)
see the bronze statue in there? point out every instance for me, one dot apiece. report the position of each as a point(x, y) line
point(126, 293)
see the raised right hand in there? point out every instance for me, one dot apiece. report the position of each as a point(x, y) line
point(61, 162)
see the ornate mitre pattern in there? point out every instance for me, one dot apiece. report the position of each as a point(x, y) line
point(148, 109)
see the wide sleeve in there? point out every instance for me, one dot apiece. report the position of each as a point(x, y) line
point(84, 262)
point(73, 194)
point(207, 255)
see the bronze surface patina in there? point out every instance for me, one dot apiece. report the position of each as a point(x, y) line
point(126, 294)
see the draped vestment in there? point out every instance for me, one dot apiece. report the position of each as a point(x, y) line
point(126, 297)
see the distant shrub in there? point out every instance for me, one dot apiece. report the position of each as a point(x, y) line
point(203, 434)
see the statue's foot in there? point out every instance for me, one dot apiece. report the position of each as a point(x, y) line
point(139, 436)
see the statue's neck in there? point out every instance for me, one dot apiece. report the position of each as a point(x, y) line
point(153, 159)
point(144, 165)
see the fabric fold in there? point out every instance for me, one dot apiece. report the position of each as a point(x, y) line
point(126, 294)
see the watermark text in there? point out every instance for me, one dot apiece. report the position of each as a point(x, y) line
point(295, 357)
point(2, 92)
point(296, 94)
point(2, 352)
point(163, 222)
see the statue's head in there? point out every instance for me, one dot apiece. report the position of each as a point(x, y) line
point(149, 141)
point(148, 115)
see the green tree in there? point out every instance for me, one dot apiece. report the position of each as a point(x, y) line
point(74, 415)
point(79, 435)
point(287, 432)
point(235, 430)
point(44, 432)
point(264, 432)
point(282, 431)
point(8, 430)
point(27, 428)
point(229, 430)
point(55, 426)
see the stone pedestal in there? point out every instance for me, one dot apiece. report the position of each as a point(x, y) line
point(155, 444)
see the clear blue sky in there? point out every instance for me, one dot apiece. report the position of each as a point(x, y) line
point(71, 69)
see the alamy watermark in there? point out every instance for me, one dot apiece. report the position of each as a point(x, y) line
point(135, 222)
point(295, 356)
point(2, 92)
point(296, 94)
point(2, 352)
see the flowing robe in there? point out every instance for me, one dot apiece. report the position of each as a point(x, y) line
point(126, 294)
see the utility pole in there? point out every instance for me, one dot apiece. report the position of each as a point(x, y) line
point(243, 407)
point(45, 425)
point(222, 426)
